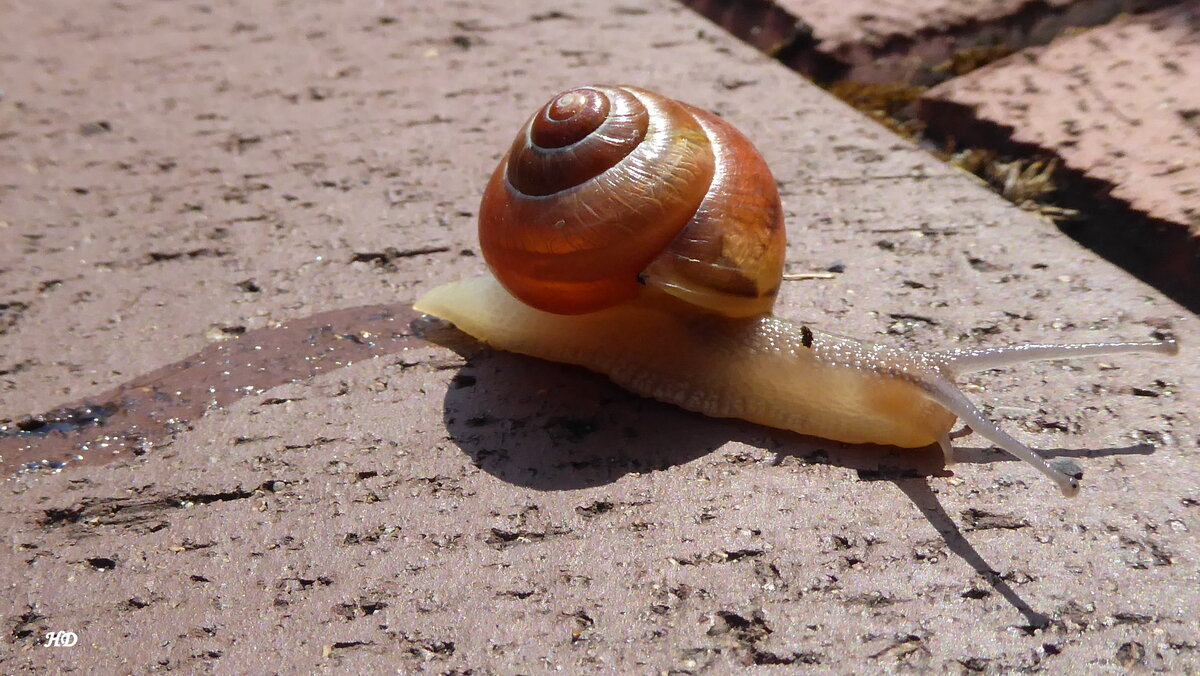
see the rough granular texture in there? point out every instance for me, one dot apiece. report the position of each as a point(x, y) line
point(180, 176)
point(1119, 104)
point(910, 41)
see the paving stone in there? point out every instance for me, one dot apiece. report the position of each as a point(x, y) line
point(1119, 104)
point(908, 41)
point(176, 175)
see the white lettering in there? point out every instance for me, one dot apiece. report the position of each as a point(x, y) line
point(61, 639)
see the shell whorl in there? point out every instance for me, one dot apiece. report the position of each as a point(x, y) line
point(607, 190)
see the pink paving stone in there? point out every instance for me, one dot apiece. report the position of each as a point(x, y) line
point(899, 40)
point(1120, 103)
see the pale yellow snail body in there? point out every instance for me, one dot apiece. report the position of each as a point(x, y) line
point(642, 238)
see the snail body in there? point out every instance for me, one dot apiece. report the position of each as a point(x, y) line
point(761, 369)
point(685, 317)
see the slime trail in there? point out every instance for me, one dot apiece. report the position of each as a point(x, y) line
point(134, 416)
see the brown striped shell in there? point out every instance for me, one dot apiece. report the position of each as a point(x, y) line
point(610, 189)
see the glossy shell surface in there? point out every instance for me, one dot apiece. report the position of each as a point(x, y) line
point(609, 190)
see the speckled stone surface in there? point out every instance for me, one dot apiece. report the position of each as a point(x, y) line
point(174, 175)
point(1118, 103)
point(899, 40)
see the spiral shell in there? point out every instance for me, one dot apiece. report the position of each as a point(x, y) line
point(609, 189)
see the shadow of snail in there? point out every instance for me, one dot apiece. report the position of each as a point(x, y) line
point(552, 427)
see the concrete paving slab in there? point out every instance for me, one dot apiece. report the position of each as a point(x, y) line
point(1120, 104)
point(910, 41)
point(179, 175)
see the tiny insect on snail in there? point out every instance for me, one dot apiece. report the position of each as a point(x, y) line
point(643, 238)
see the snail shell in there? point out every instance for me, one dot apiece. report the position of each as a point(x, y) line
point(607, 188)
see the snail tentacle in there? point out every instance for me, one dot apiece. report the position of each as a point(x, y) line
point(970, 360)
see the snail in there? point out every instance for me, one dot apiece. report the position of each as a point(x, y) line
point(643, 238)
